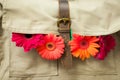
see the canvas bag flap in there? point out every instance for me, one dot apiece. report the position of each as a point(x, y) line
point(89, 17)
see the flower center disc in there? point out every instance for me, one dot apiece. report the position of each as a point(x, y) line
point(50, 46)
point(28, 36)
point(84, 44)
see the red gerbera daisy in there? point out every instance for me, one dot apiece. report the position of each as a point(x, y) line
point(53, 48)
point(27, 41)
point(107, 43)
point(84, 46)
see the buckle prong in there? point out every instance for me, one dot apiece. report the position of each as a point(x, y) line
point(63, 20)
point(65, 24)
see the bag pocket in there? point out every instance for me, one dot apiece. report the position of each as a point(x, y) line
point(26, 64)
point(94, 66)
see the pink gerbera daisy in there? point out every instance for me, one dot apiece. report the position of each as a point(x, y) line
point(27, 41)
point(53, 48)
point(106, 44)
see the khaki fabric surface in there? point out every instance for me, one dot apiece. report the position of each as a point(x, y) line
point(89, 17)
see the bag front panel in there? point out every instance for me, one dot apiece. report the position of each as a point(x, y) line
point(31, 64)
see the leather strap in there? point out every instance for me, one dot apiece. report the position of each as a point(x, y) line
point(64, 24)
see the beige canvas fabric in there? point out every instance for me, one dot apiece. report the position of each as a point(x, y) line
point(89, 17)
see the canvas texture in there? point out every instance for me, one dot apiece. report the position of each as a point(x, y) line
point(89, 17)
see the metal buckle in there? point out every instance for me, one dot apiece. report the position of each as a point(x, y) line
point(66, 24)
point(63, 20)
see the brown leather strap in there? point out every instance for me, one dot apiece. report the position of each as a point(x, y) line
point(64, 9)
point(64, 23)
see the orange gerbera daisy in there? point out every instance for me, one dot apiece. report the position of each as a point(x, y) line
point(53, 48)
point(84, 46)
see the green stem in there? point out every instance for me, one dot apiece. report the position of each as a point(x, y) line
point(70, 34)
